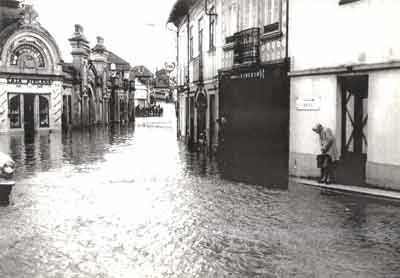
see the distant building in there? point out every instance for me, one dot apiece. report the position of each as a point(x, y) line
point(162, 86)
point(142, 94)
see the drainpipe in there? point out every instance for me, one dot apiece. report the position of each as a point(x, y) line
point(209, 14)
point(188, 52)
point(287, 29)
point(188, 123)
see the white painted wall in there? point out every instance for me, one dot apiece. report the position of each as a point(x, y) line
point(182, 115)
point(325, 34)
point(302, 138)
point(384, 117)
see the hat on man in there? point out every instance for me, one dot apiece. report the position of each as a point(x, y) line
point(317, 128)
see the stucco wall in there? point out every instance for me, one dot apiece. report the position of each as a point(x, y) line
point(326, 34)
point(304, 143)
point(384, 117)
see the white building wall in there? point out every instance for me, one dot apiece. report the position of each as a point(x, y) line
point(304, 143)
point(326, 34)
point(339, 36)
point(182, 115)
point(384, 117)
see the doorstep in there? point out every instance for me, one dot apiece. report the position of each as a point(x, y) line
point(375, 192)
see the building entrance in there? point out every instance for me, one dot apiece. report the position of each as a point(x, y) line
point(201, 103)
point(29, 114)
point(354, 119)
point(254, 137)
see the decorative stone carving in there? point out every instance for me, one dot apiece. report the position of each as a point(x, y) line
point(29, 16)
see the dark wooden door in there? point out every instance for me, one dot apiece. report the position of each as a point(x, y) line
point(29, 114)
point(253, 145)
point(354, 142)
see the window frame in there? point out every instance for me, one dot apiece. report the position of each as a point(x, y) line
point(47, 98)
point(191, 43)
point(17, 112)
point(212, 23)
point(272, 28)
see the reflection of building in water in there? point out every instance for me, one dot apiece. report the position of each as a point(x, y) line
point(39, 92)
point(41, 153)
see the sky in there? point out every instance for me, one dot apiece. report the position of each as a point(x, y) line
point(135, 30)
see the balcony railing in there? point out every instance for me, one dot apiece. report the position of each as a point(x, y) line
point(247, 46)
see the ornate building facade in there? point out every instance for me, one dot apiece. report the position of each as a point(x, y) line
point(99, 85)
point(31, 76)
point(41, 93)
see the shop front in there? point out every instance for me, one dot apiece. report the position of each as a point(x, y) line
point(30, 105)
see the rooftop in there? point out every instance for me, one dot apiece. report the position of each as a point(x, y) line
point(179, 10)
point(120, 63)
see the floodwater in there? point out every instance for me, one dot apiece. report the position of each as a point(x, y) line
point(134, 202)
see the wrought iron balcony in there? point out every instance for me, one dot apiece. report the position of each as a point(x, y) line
point(247, 46)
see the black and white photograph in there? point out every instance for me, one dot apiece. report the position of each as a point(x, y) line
point(199, 138)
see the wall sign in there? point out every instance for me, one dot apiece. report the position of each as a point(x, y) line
point(38, 82)
point(308, 103)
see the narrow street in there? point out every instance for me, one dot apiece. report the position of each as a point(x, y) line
point(133, 202)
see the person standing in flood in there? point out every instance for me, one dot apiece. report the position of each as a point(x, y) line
point(329, 152)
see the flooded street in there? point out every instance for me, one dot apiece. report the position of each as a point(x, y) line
point(134, 202)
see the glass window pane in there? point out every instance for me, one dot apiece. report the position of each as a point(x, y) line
point(14, 112)
point(43, 112)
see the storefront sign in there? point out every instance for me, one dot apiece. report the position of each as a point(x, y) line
point(37, 82)
point(308, 103)
point(259, 74)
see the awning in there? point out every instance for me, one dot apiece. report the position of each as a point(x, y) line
point(179, 10)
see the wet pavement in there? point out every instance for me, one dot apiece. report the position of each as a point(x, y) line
point(133, 202)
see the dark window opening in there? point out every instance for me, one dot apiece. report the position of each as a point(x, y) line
point(14, 112)
point(212, 34)
point(191, 42)
point(342, 2)
point(43, 112)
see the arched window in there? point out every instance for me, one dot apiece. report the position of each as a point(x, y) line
point(43, 112)
point(14, 111)
point(28, 55)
